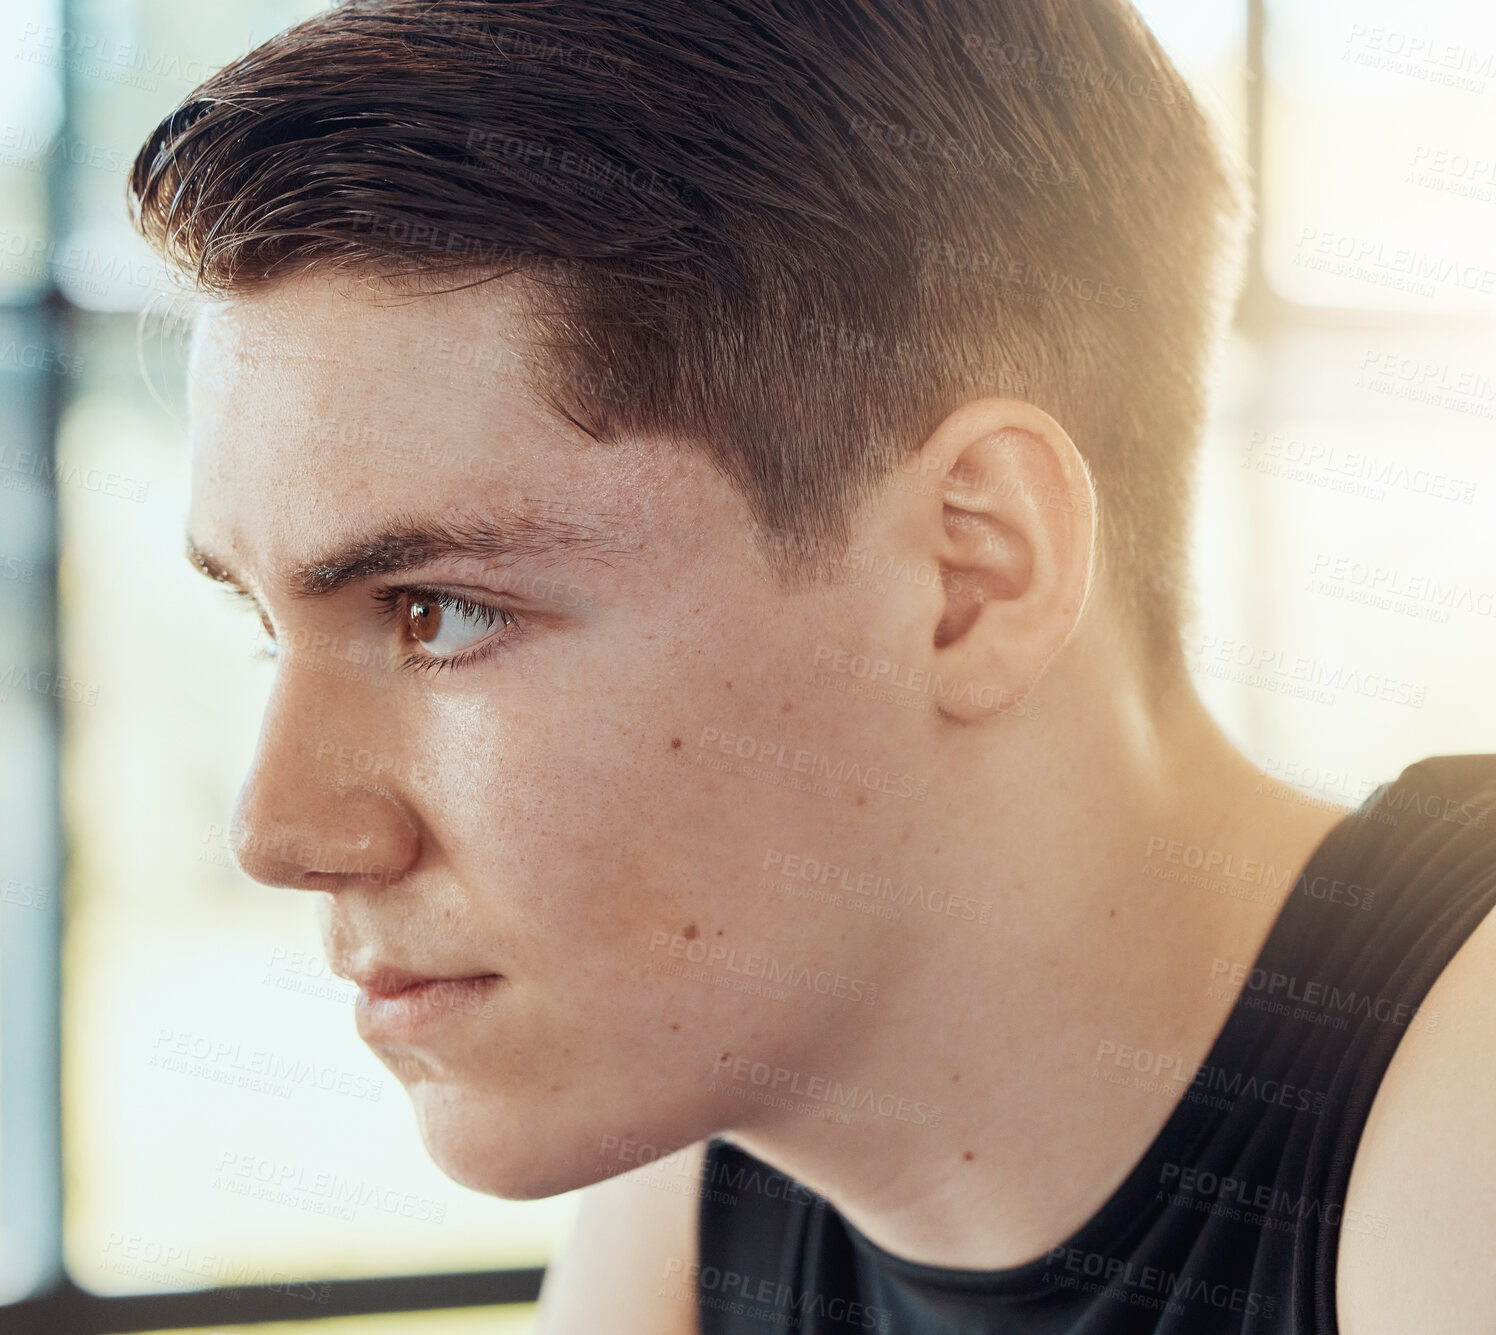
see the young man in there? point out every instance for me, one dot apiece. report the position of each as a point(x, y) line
point(729, 467)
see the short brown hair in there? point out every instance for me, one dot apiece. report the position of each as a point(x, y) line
point(795, 233)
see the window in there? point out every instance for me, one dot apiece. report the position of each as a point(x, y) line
point(214, 1146)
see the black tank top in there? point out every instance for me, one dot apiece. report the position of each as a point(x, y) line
point(1230, 1220)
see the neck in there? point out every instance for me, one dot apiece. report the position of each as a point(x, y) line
point(1100, 938)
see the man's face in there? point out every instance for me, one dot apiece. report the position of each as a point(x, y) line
point(584, 797)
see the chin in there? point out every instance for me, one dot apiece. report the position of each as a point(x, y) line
point(485, 1146)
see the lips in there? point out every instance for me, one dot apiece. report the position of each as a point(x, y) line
point(385, 983)
point(398, 1007)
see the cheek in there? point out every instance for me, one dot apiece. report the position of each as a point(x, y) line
point(600, 826)
point(593, 846)
point(598, 900)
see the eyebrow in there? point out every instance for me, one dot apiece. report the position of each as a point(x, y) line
point(410, 544)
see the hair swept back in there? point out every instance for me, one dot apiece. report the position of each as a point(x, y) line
point(795, 233)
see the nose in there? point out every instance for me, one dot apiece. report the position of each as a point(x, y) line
point(302, 819)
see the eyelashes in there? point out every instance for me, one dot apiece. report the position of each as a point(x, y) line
point(265, 650)
point(422, 614)
point(419, 614)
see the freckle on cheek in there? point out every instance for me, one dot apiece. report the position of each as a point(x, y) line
point(675, 743)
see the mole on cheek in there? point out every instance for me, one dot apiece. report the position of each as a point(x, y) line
point(690, 931)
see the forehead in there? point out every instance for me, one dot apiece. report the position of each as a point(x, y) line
point(332, 352)
point(369, 324)
point(319, 407)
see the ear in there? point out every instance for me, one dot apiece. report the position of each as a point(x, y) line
point(1014, 540)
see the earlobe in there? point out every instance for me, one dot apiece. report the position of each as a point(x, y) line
point(1015, 546)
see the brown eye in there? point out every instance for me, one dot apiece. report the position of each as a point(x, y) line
point(425, 620)
point(443, 625)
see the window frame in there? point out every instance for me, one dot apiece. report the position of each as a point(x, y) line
point(31, 1034)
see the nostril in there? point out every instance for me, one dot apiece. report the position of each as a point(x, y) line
point(296, 826)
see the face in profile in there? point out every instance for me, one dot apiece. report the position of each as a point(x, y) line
point(540, 718)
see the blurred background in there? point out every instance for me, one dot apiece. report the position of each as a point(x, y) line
point(191, 1134)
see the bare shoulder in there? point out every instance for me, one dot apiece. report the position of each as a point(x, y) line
point(628, 1267)
point(1426, 1168)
